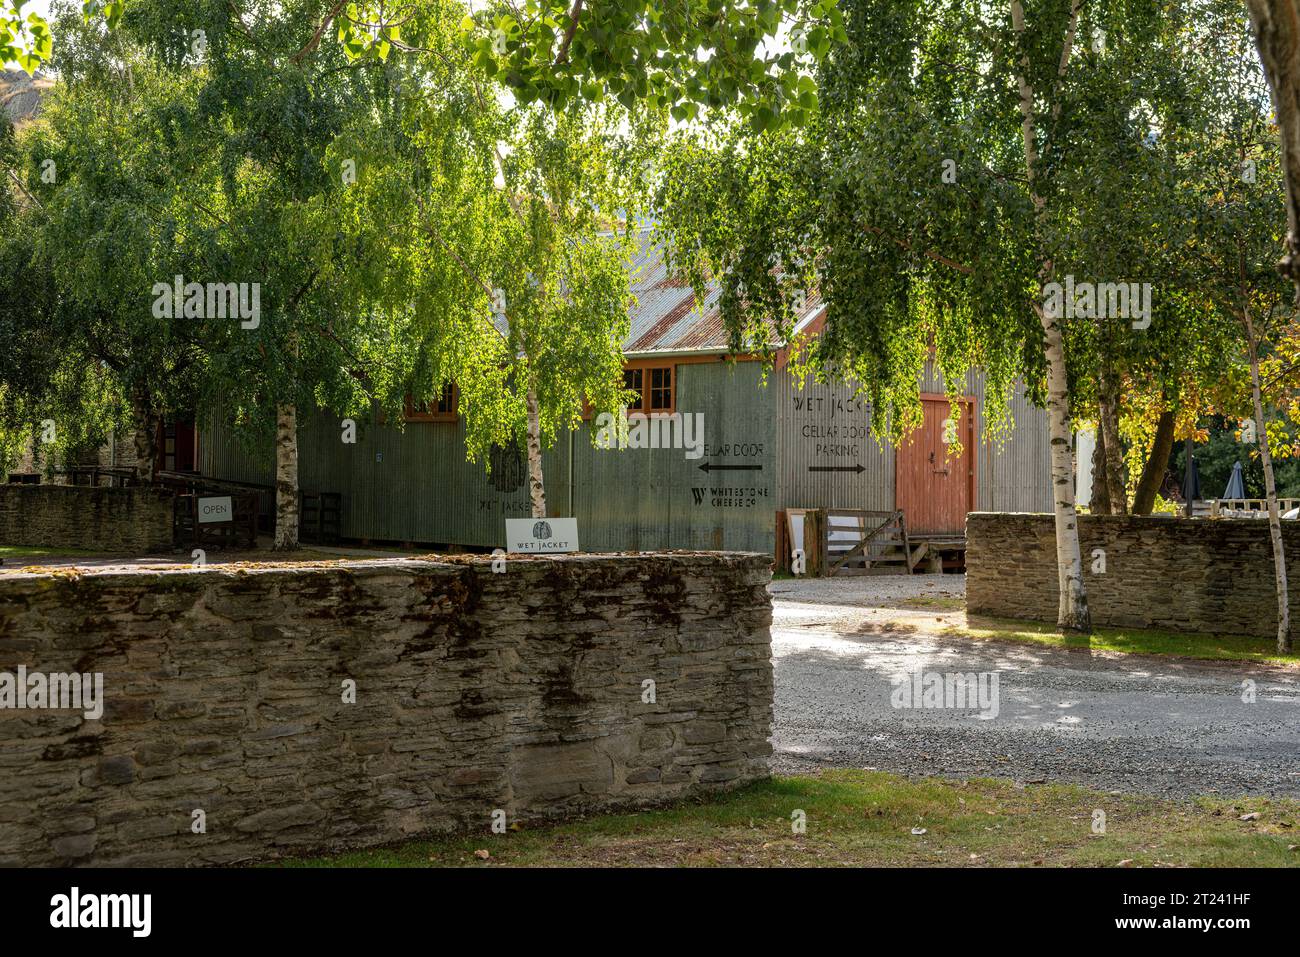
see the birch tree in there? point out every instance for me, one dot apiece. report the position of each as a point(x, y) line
point(925, 203)
point(1240, 228)
point(264, 211)
point(1276, 25)
point(557, 88)
point(99, 229)
point(1073, 612)
point(1280, 586)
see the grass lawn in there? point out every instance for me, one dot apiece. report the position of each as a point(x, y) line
point(8, 552)
point(865, 818)
point(940, 602)
point(19, 556)
point(1130, 640)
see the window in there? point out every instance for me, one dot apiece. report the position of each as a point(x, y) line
point(661, 390)
point(440, 409)
point(653, 386)
point(633, 379)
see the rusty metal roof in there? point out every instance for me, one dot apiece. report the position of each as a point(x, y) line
point(666, 317)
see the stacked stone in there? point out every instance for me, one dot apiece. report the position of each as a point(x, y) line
point(124, 521)
point(1197, 575)
point(523, 692)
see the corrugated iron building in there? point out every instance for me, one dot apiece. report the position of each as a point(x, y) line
point(766, 447)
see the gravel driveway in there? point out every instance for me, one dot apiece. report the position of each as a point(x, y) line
point(1167, 726)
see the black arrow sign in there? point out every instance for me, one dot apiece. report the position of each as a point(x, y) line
point(706, 467)
point(837, 468)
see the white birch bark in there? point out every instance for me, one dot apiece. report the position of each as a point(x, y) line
point(144, 440)
point(536, 486)
point(1072, 611)
point(1270, 492)
point(286, 477)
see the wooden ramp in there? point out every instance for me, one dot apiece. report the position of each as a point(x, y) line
point(866, 543)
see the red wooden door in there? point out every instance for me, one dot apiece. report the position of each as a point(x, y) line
point(933, 488)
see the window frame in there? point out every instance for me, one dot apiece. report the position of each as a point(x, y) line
point(411, 414)
point(647, 368)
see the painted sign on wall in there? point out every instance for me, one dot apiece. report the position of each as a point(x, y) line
point(833, 427)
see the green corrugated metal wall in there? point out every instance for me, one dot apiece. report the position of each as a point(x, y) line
point(416, 485)
point(653, 498)
point(824, 425)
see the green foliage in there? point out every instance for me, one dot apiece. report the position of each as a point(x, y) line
point(381, 205)
point(1221, 449)
point(97, 227)
point(176, 158)
point(25, 39)
point(901, 258)
point(635, 51)
point(907, 198)
point(504, 266)
point(646, 52)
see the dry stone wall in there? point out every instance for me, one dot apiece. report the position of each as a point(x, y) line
point(560, 685)
point(1199, 575)
point(131, 521)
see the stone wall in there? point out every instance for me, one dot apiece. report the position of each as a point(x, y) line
point(521, 691)
point(134, 521)
point(1199, 575)
point(116, 451)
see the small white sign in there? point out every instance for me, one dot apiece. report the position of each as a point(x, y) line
point(216, 509)
point(541, 536)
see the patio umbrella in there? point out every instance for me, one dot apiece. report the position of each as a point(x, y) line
point(1236, 487)
point(1191, 479)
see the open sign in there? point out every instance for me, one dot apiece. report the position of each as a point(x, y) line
point(216, 509)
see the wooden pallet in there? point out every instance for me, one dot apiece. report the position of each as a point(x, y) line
point(320, 517)
point(241, 531)
point(939, 552)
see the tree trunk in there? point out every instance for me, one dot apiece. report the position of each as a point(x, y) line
point(145, 439)
point(1153, 473)
point(536, 487)
point(1276, 25)
point(1072, 613)
point(1270, 492)
point(286, 477)
point(1099, 504)
point(1108, 433)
